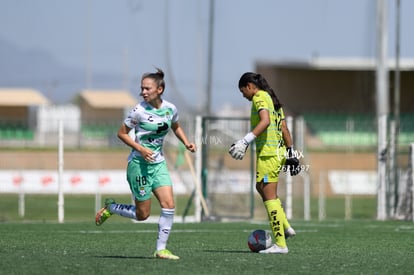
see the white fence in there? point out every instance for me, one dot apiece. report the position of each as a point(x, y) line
point(96, 182)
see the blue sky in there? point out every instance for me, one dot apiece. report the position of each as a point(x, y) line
point(126, 38)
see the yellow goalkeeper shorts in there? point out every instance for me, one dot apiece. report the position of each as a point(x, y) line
point(268, 168)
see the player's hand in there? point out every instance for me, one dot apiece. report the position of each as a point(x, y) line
point(238, 150)
point(293, 166)
point(147, 154)
point(191, 147)
point(292, 162)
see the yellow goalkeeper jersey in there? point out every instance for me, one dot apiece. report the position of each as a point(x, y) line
point(271, 139)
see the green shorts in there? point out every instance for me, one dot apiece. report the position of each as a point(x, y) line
point(144, 177)
point(268, 168)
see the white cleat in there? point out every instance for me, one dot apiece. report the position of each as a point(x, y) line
point(275, 249)
point(289, 233)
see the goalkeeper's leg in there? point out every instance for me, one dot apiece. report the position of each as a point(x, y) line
point(275, 214)
point(289, 231)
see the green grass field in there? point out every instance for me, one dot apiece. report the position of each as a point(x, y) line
point(335, 247)
point(79, 208)
point(37, 244)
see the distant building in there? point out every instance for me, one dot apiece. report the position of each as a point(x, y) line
point(337, 97)
point(346, 85)
point(16, 103)
point(104, 106)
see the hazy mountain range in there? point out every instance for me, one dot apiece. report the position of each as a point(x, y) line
point(33, 68)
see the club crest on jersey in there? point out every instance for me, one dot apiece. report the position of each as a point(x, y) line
point(142, 191)
point(168, 115)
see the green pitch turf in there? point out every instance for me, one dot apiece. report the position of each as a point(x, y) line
point(119, 247)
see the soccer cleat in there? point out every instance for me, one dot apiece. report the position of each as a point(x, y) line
point(275, 249)
point(104, 213)
point(289, 233)
point(165, 254)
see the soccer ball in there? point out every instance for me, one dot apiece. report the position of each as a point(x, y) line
point(259, 240)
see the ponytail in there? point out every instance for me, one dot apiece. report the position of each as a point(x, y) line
point(261, 83)
point(158, 77)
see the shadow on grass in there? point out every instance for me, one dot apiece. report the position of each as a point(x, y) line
point(125, 257)
point(227, 251)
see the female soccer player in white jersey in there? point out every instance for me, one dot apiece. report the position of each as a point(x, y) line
point(147, 169)
point(273, 152)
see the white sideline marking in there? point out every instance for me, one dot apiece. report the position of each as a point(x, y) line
point(178, 231)
point(297, 230)
point(177, 219)
point(152, 231)
point(405, 228)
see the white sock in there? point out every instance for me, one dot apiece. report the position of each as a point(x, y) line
point(164, 227)
point(124, 210)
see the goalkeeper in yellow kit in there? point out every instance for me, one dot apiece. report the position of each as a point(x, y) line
point(274, 152)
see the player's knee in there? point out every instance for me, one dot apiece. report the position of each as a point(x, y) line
point(141, 216)
point(169, 205)
point(259, 189)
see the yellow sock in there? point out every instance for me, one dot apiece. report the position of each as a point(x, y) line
point(275, 213)
point(286, 224)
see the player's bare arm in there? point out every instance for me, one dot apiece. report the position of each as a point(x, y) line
point(179, 133)
point(263, 123)
point(123, 134)
point(287, 138)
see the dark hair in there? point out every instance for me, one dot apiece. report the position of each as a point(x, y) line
point(261, 83)
point(158, 77)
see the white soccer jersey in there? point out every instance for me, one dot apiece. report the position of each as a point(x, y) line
point(151, 125)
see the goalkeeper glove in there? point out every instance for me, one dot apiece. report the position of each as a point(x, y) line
point(238, 150)
point(292, 162)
